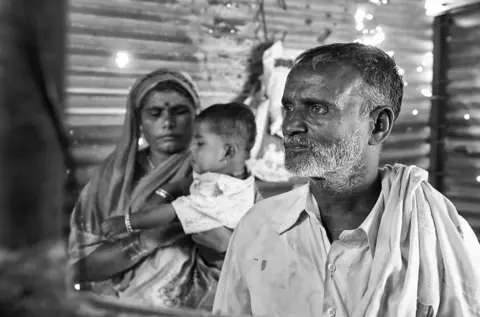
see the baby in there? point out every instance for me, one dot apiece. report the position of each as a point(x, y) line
point(223, 190)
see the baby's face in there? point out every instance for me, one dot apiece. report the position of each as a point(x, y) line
point(208, 150)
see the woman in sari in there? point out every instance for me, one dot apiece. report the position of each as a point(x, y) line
point(160, 267)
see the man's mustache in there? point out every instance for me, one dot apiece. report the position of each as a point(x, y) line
point(298, 140)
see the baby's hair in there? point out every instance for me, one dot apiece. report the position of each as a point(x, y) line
point(233, 121)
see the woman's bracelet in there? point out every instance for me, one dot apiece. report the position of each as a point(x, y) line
point(132, 248)
point(128, 222)
point(164, 194)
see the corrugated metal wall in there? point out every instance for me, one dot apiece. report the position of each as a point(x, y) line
point(462, 143)
point(212, 40)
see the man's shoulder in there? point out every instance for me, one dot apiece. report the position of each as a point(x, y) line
point(271, 206)
point(267, 213)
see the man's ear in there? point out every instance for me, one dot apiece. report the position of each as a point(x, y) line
point(381, 123)
point(230, 151)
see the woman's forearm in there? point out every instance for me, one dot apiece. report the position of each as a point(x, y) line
point(108, 260)
point(153, 217)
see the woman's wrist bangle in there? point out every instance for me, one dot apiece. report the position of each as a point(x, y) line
point(164, 194)
point(133, 249)
point(128, 222)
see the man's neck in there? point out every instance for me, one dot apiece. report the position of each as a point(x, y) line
point(347, 209)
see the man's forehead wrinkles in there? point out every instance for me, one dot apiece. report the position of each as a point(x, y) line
point(308, 91)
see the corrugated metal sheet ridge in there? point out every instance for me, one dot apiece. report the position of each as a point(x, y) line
point(462, 171)
point(176, 35)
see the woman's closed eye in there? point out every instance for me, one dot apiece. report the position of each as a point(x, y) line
point(153, 112)
point(179, 110)
point(173, 111)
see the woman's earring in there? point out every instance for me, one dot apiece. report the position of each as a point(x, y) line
point(142, 142)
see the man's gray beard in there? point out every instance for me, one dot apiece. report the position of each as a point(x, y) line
point(336, 165)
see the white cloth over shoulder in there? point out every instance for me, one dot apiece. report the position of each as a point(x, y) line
point(421, 227)
point(215, 200)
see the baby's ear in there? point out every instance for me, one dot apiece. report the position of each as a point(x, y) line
point(230, 151)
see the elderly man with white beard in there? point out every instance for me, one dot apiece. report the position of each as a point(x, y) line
point(358, 240)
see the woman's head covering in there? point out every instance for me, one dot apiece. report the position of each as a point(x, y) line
point(147, 83)
point(126, 151)
point(110, 192)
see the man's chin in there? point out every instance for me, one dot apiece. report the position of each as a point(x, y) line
point(299, 168)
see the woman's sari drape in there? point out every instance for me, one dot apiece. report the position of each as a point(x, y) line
point(174, 275)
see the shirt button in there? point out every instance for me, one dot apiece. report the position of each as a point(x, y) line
point(331, 312)
point(331, 267)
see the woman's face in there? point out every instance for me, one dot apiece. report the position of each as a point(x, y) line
point(167, 121)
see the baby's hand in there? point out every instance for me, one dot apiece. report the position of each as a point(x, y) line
point(113, 227)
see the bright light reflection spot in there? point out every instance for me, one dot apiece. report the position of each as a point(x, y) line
point(359, 15)
point(426, 92)
point(122, 59)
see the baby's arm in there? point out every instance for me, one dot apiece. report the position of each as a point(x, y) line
point(153, 217)
point(160, 212)
point(157, 215)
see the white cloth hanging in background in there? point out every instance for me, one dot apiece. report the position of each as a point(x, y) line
point(277, 62)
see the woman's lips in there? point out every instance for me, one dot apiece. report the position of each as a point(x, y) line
point(169, 137)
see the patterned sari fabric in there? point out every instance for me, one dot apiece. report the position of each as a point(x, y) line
point(172, 276)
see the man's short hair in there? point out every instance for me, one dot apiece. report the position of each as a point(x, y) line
point(235, 122)
point(383, 85)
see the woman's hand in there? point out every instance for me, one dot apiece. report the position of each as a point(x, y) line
point(113, 227)
point(160, 237)
point(216, 239)
point(179, 188)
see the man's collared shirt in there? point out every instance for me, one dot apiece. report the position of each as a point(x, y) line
point(281, 263)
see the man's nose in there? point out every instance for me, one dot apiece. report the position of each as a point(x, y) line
point(293, 123)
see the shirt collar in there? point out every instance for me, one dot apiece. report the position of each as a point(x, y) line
point(295, 204)
point(302, 200)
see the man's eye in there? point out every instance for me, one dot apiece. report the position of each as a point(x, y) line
point(288, 108)
point(318, 109)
